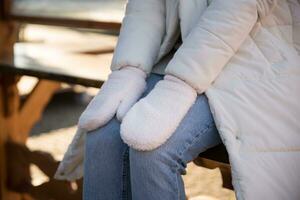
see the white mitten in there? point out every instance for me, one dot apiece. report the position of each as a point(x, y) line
point(153, 119)
point(117, 95)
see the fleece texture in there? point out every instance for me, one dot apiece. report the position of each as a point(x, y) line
point(153, 119)
point(122, 89)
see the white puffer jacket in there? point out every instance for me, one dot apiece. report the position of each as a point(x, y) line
point(245, 55)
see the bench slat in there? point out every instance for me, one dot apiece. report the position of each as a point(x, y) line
point(55, 63)
point(78, 23)
point(218, 153)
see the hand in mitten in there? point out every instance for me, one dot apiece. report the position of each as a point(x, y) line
point(117, 95)
point(153, 119)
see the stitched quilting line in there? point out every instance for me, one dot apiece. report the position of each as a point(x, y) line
point(278, 150)
point(255, 42)
point(225, 42)
point(219, 38)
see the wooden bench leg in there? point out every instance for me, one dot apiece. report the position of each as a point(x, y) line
point(8, 36)
point(8, 104)
point(225, 169)
point(34, 105)
point(20, 120)
point(2, 151)
point(16, 122)
point(226, 177)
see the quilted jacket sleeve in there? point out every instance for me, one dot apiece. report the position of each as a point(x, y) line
point(142, 31)
point(213, 41)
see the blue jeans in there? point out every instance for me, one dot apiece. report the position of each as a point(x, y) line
point(113, 171)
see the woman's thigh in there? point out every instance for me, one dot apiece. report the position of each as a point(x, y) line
point(106, 162)
point(103, 142)
point(196, 133)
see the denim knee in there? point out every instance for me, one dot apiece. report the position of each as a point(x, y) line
point(157, 158)
point(104, 139)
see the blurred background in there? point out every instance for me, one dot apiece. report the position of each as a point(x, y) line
point(54, 56)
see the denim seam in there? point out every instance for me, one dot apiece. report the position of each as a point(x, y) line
point(187, 146)
point(124, 195)
point(177, 186)
point(190, 144)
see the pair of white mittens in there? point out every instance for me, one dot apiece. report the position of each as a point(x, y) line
point(148, 123)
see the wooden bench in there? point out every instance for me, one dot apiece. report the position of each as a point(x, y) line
point(18, 116)
point(60, 66)
point(52, 66)
point(217, 157)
